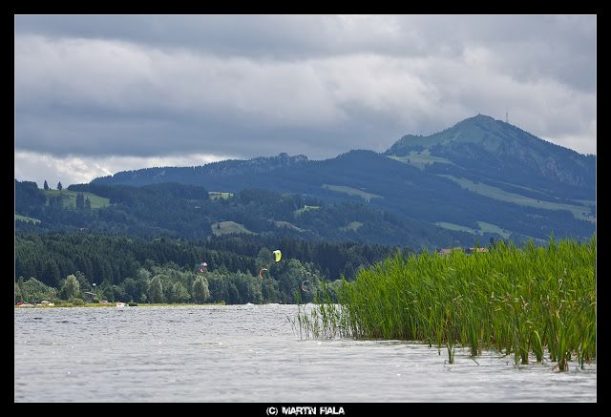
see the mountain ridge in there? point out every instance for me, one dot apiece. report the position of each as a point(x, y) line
point(480, 171)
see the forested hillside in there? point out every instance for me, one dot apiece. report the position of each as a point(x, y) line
point(187, 211)
point(165, 270)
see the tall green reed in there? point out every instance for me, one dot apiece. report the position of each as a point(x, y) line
point(522, 301)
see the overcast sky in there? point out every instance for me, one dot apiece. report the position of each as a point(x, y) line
point(98, 94)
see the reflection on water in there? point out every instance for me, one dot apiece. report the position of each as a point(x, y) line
point(251, 353)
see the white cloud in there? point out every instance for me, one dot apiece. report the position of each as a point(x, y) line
point(32, 166)
point(127, 77)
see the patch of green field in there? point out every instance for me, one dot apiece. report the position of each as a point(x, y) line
point(493, 228)
point(69, 198)
point(457, 228)
point(580, 212)
point(351, 191)
point(483, 228)
point(522, 187)
point(282, 223)
point(20, 218)
point(305, 209)
point(420, 159)
point(219, 195)
point(227, 227)
point(96, 201)
point(351, 227)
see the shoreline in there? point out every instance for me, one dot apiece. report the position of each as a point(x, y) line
point(114, 305)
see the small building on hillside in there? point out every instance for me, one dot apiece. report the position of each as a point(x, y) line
point(476, 250)
point(203, 268)
point(447, 251)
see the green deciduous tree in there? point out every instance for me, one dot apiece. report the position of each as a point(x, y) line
point(200, 290)
point(71, 288)
point(155, 294)
point(179, 293)
point(34, 291)
point(264, 259)
point(130, 286)
point(292, 275)
point(83, 282)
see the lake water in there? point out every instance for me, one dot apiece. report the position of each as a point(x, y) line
point(252, 353)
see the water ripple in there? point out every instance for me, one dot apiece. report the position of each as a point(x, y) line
point(250, 354)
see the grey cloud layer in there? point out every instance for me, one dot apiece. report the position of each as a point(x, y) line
point(562, 47)
point(318, 85)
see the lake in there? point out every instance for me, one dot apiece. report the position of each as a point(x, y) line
point(253, 353)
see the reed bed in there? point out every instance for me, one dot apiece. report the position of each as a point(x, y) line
point(533, 302)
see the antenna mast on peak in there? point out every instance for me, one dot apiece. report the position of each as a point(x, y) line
point(506, 117)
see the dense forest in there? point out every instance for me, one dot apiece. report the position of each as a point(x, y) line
point(189, 212)
point(129, 269)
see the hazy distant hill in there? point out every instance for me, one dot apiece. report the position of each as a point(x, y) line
point(481, 177)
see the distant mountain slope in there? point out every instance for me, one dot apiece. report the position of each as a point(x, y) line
point(482, 177)
point(186, 211)
point(497, 151)
point(216, 172)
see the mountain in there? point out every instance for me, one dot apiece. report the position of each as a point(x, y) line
point(480, 178)
point(216, 172)
point(483, 147)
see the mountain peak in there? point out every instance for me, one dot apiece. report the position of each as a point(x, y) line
point(494, 147)
point(463, 130)
point(479, 118)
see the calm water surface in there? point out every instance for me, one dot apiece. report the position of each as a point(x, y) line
point(253, 353)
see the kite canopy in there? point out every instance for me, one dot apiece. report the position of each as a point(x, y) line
point(277, 255)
